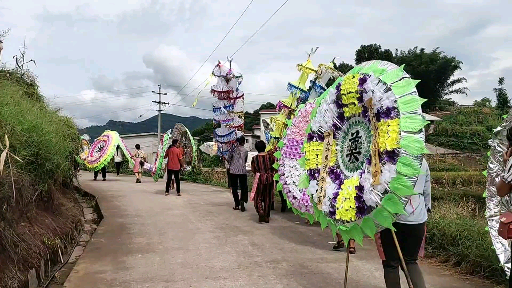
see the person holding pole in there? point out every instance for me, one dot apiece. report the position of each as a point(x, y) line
point(504, 186)
point(409, 234)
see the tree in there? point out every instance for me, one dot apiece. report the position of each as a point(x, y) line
point(435, 70)
point(502, 100)
point(372, 52)
point(341, 67)
point(253, 118)
point(483, 103)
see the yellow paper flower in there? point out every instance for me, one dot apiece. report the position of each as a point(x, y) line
point(313, 151)
point(346, 203)
point(349, 93)
point(389, 134)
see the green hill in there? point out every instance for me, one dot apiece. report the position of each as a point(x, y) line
point(146, 126)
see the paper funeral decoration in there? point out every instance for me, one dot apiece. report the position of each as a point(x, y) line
point(84, 147)
point(228, 108)
point(209, 148)
point(299, 94)
point(186, 141)
point(159, 167)
point(351, 157)
point(495, 205)
point(103, 149)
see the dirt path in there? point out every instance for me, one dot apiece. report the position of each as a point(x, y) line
point(197, 240)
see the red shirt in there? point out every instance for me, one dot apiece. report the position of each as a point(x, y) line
point(173, 156)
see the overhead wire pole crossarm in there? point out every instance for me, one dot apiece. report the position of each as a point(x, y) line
point(160, 103)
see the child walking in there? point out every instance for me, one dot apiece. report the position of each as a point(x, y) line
point(263, 188)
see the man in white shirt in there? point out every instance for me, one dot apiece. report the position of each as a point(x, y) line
point(118, 159)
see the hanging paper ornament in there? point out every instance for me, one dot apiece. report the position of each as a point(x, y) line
point(103, 148)
point(350, 149)
point(228, 109)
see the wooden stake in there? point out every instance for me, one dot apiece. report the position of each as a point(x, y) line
point(346, 268)
point(407, 276)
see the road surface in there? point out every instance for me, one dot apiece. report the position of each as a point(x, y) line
point(149, 240)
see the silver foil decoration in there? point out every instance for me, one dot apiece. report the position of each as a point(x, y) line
point(495, 205)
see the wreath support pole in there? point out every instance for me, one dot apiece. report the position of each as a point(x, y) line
point(407, 276)
point(346, 269)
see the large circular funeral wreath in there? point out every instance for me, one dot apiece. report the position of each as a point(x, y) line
point(351, 157)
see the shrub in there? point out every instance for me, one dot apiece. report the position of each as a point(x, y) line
point(466, 129)
point(456, 235)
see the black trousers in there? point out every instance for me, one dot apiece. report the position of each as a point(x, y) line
point(239, 179)
point(170, 174)
point(103, 173)
point(118, 167)
point(410, 237)
point(229, 178)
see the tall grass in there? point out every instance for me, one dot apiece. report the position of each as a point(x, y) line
point(38, 135)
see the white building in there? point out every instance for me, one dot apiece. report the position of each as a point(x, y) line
point(148, 143)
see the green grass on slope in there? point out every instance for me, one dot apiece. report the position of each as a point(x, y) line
point(38, 135)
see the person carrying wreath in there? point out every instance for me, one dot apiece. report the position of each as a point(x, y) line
point(237, 158)
point(410, 231)
point(262, 167)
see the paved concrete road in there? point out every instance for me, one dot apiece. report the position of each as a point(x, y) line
point(197, 240)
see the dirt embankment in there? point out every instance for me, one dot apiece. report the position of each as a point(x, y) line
point(35, 236)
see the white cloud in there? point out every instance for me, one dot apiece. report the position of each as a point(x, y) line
point(104, 57)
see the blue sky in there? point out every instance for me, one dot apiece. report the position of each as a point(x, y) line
point(92, 55)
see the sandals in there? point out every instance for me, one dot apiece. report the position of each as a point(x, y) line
point(338, 246)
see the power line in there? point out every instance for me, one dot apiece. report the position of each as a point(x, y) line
point(264, 23)
point(217, 46)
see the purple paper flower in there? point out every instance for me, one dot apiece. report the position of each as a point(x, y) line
point(361, 207)
point(391, 156)
point(388, 113)
point(332, 206)
point(338, 89)
point(336, 176)
point(362, 81)
point(365, 114)
point(339, 104)
point(314, 174)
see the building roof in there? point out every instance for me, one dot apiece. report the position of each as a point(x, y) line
point(268, 111)
point(139, 135)
point(430, 117)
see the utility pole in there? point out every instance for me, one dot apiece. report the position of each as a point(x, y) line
point(160, 103)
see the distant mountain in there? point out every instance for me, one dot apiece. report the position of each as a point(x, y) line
point(146, 126)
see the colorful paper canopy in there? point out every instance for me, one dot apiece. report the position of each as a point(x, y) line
point(103, 149)
point(350, 158)
point(495, 204)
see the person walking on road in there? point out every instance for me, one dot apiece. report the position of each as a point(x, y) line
point(173, 182)
point(238, 171)
point(410, 231)
point(340, 244)
point(174, 162)
point(103, 173)
point(118, 159)
point(261, 166)
point(139, 158)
